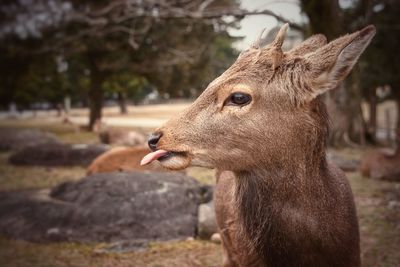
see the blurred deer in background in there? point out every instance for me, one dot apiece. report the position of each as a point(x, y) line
point(124, 159)
point(382, 163)
point(264, 127)
point(113, 136)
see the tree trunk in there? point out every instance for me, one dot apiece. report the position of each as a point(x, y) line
point(373, 101)
point(326, 17)
point(95, 93)
point(353, 107)
point(397, 95)
point(122, 103)
point(388, 128)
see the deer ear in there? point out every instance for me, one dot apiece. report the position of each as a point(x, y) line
point(330, 64)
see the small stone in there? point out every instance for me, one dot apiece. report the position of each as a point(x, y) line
point(216, 238)
point(53, 231)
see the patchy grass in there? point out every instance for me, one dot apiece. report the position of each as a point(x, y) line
point(380, 236)
point(75, 136)
point(16, 253)
point(26, 177)
point(204, 176)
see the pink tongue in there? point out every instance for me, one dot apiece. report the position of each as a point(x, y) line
point(152, 156)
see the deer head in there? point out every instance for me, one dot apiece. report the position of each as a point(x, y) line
point(264, 110)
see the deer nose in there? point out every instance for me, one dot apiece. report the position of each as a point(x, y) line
point(153, 140)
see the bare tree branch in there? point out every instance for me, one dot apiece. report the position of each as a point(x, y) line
point(163, 10)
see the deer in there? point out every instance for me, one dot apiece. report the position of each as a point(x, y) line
point(122, 159)
point(382, 163)
point(263, 125)
point(114, 136)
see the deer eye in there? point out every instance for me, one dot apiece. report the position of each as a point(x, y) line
point(238, 99)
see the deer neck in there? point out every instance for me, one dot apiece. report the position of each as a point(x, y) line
point(266, 198)
point(286, 180)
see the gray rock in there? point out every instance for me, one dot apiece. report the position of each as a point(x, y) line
point(105, 208)
point(207, 224)
point(57, 154)
point(347, 165)
point(12, 139)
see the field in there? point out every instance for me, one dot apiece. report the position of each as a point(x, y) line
point(379, 219)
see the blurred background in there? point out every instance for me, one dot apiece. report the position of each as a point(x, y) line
point(82, 84)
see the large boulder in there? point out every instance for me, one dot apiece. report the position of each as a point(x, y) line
point(11, 139)
point(106, 208)
point(57, 154)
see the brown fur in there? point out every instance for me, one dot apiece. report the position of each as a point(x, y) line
point(122, 159)
point(381, 164)
point(278, 201)
point(114, 136)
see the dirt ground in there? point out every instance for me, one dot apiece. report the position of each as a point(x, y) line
point(378, 213)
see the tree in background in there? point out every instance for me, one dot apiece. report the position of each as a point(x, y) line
point(382, 65)
point(377, 67)
point(152, 39)
point(125, 85)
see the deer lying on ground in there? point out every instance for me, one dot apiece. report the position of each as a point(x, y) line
point(263, 125)
point(123, 159)
point(381, 164)
point(114, 136)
